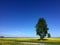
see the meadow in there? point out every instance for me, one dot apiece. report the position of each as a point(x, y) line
point(29, 41)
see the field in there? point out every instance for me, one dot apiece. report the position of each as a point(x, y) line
point(29, 41)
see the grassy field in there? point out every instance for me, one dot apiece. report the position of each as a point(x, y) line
point(29, 41)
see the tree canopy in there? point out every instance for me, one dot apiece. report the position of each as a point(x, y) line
point(41, 28)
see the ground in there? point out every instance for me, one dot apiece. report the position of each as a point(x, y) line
point(29, 41)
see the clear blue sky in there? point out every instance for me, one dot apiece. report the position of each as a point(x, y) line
point(19, 17)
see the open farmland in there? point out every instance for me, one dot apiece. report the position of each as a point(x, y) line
point(29, 41)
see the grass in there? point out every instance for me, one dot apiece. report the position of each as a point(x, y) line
point(17, 41)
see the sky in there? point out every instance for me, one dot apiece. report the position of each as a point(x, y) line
point(18, 18)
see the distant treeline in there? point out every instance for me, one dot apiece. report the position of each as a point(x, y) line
point(1, 36)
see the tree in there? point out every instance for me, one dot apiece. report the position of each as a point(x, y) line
point(49, 35)
point(41, 28)
point(1, 36)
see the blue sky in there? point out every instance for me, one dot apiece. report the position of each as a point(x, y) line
point(19, 17)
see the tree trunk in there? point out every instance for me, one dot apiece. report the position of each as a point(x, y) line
point(41, 37)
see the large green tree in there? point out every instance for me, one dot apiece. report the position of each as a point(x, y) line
point(41, 28)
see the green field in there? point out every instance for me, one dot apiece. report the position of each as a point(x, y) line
point(29, 41)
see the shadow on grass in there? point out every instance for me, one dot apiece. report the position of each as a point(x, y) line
point(42, 39)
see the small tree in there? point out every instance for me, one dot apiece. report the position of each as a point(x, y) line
point(49, 35)
point(41, 28)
